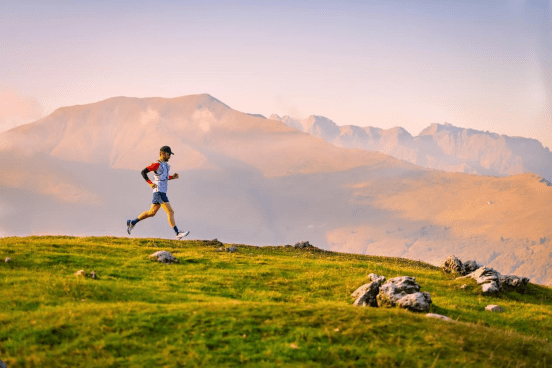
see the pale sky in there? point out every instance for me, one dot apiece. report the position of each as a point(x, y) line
point(475, 64)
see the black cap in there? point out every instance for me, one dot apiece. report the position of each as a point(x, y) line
point(167, 149)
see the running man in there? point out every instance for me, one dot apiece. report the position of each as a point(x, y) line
point(159, 185)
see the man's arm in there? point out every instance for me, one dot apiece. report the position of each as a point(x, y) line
point(145, 175)
point(145, 171)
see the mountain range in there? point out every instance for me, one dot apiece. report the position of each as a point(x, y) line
point(439, 146)
point(247, 179)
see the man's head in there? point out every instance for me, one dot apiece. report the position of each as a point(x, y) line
point(165, 153)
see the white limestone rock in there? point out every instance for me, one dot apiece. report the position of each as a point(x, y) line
point(418, 302)
point(513, 282)
point(488, 279)
point(403, 292)
point(494, 308)
point(163, 257)
point(82, 273)
point(302, 245)
point(373, 278)
point(470, 266)
point(438, 316)
point(366, 294)
point(453, 265)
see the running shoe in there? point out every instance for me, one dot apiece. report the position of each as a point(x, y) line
point(182, 234)
point(129, 226)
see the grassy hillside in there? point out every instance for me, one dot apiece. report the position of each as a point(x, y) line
point(258, 307)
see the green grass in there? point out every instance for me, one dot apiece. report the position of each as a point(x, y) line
point(258, 307)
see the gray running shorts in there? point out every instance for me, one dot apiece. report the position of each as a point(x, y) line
point(160, 198)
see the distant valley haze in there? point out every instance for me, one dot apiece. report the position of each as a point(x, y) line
point(248, 179)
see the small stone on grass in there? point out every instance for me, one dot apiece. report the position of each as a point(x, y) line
point(494, 308)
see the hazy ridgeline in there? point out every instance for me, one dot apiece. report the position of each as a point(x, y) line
point(439, 146)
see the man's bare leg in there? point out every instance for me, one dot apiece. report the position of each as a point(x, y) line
point(170, 213)
point(171, 218)
point(147, 214)
point(150, 213)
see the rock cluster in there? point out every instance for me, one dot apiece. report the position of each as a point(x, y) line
point(228, 249)
point(489, 279)
point(514, 283)
point(82, 273)
point(302, 245)
point(164, 257)
point(455, 266)
point(400, 291)
point(214, 242)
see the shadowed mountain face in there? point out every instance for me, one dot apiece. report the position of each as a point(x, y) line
point(443, 147)
point(246, 179)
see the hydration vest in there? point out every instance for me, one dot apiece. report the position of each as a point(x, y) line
point(161, 176)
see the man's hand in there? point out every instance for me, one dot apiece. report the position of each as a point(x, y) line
point(153, 185)
point(175, 176)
